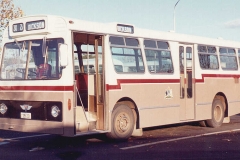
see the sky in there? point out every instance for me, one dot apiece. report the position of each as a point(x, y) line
point(208, 18)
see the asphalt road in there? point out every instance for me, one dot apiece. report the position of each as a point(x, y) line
point(173, 142)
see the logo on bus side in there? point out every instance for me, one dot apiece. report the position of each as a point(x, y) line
point(168, 93)
point(26, 107)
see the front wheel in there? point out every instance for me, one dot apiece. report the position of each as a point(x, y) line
point(122, 124)
point(217, 114)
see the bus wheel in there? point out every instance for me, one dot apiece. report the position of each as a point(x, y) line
point(217, 114)
point(122, 123)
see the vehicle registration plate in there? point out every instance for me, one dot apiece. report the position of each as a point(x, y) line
point(26, 115)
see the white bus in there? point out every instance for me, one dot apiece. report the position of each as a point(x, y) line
point(141, 78)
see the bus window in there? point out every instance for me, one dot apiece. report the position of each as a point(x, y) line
point(129, 54)
point(76, 60)
point(131, 42)
point(150, 44)
point(116, 40)
point(208, 57)
point(131, 59)
point(15, 56)
point(162, 45)
point(158, 60)
point(239, 56)
point(32, 59)
point(89, 61)
point(228, 59)
point(118, 68)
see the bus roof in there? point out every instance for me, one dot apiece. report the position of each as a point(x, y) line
point(59, 23)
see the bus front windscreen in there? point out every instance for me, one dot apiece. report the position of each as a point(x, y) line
point(31, 59)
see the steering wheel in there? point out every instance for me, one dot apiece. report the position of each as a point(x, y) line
point(32, 73)
point(29, 71)
point(20, 70)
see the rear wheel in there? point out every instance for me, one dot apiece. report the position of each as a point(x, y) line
point(217, 114)
point(122, 123)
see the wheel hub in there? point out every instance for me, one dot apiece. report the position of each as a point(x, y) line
point(122, 122)
point(217, 113)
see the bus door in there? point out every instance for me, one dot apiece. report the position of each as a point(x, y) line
point(97, 105)
point(187, 107)
point(89, 81)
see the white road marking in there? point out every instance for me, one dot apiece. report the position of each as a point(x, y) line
point(178, 139)
point(2, 143)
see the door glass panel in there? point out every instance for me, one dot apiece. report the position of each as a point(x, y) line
point(181, 66)
point(185, 65)
point(189, 71)
point(181, 59)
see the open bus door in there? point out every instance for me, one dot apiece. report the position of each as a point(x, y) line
point(89, 114)
point(97, 97)
point(187, 107)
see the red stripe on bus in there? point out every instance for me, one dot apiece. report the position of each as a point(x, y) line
point(138, 81)
point(118, 86)
point(135, 81)
point(38, 88)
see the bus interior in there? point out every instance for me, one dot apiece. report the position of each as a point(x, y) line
point(88, 81)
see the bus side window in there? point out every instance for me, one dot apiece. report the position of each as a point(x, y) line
point(126, 55)
point(159, 59)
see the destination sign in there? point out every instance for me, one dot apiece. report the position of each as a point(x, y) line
point(125, 28)
point(35, 25)
point(18, 27)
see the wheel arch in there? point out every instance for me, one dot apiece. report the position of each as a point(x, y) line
point(130, 103)
point(224, 100)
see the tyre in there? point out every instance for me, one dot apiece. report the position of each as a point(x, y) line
point(217, 114)
point(122, 124)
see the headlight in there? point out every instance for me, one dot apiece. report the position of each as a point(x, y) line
point(3, 108)
point(55, 111)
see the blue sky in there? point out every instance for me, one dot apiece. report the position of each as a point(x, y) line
point(209, 18)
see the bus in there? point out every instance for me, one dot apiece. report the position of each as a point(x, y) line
point(72, 77)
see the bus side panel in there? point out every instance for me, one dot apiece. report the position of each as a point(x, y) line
point(206, 91)
point(153, 106)
point(233, 95)
point(204, 97)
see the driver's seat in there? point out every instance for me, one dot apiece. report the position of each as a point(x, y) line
point(44, 71)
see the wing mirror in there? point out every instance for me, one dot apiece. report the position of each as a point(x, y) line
point(63, 52)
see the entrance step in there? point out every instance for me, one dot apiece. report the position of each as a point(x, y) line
point(81, 119)
point(85, 121)
point(91, 116)
point(92, 125)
